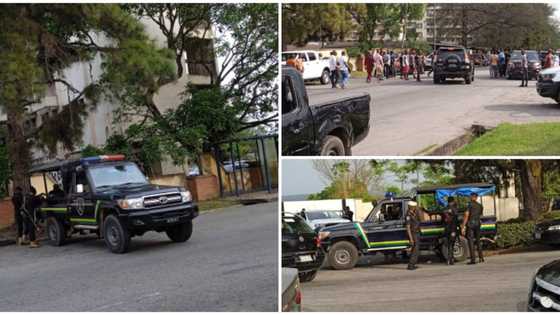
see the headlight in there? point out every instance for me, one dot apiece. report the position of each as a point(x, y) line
point(134, 203)
point(186, 196)
point(554, 228)
point(323, 235)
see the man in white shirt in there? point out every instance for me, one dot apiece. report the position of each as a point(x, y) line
point(524, 69)
point(333, 68)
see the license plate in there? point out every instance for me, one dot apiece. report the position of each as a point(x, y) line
point(305, 258)
point(172, 220)
point(538, 235)
point(452, 66)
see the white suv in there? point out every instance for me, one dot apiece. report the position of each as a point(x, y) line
point(314, 66)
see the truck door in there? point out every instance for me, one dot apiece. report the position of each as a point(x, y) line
point(297, 122)
point(387, 230)
point(81, 206)
point(315, 69)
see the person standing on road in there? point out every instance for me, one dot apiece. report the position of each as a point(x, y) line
point(411, 63)
point(413, 230)
point(419, 61)
point(494, 65)
point(548, 59)
point(333, 67)
point(524, 69)
point(369, 65)
point(378, 65)
point(30, 205)
point(405, 63)
point(386, 64)
point(343, 69)
point(471, 222)
point(450, 217)
point(348, 214)
point(17, 201)
point(502, 63)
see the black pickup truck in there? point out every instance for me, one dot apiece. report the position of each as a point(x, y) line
point(112, 198)
point(327, 128)
point(384, 231)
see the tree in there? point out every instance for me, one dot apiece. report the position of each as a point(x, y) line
point(409, 12)
point(39, 42)
point(242, 93)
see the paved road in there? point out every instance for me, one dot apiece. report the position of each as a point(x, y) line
point(410, 117)
point(229, 264)
point(500, 284)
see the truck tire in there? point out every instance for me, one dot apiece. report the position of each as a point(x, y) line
point(343, 255)
point(325, 77)
point(307, 276)
point(460, 250)
point(56, 231)
point(436, 79)
point(117, 237)
point(468, 79)
point(333, 146)
point(180, 233)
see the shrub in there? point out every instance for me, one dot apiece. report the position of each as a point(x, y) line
point(512, 234)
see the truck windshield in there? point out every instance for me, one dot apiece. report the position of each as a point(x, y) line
point(104, 176)
point(325, 214)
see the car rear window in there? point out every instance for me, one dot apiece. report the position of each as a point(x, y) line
point(531, 55)
point(295, 225)
point(443, 53)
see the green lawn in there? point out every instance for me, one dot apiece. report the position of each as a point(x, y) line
point(522, 139)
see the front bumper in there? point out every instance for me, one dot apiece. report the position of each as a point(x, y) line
point(548, 88)
point(161, 217)
point(516, 72)
point(541, 291)
point(293, 260)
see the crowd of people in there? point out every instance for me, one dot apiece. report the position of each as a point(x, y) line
point(382, 64)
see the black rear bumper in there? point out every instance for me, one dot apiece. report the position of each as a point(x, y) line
point(291, 260)
point(160, 218)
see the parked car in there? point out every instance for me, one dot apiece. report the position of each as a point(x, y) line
point(314, 66)
point(318, 219)
point(384, 229)
point(548, 232)
point(291, 290)
point(321, 128)
point(548, 83)
point(110, 197)
point(544, 291)
point(514, 68)
point(453, 62)
point(300, 247)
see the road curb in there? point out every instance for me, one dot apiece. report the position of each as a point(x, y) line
point(453, 145)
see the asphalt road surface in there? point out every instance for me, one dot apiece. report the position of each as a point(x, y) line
point(501, 284)
point(229, 264)
point(411, 117)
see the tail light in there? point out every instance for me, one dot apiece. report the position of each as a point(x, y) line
point(298, 296)
point(317, 241)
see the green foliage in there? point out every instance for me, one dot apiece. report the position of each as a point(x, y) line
point(393, 189)
point(90, 150)
point(514, 234)
point(552, 215)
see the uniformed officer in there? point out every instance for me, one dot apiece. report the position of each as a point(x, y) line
point(413, 230)
point(348, 214)
point(451, 227)
point(471, 222)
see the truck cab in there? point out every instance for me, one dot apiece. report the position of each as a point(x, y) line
point(112, 198)
point(384, 229)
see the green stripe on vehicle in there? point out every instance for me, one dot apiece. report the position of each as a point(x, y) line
point(389, 243)
point(431, 231)
point(96, 208)
point(361, 233)
point(80, 220)
point(55, 209)
point(488, 227)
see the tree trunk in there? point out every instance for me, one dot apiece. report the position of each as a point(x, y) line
point(531, 186)
point(18, 148)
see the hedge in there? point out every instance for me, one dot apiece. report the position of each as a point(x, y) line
point(513, 234)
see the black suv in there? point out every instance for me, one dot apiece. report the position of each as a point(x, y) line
point(111, 197)
point(300, 247)
point(453, 62)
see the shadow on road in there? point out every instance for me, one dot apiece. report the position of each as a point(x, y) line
point(535, 110)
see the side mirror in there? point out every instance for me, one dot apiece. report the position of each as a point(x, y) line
point(80, 188)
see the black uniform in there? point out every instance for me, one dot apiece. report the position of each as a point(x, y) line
point(31, 204)
point(17, 200)
point(348, 214)
point(413, 222)
point(473, 229)
point(451, 230)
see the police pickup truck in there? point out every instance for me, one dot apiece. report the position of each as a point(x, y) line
point(384, 229)
point(112, 198)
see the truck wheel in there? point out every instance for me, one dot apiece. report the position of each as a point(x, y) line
point(56, 231)
point(468, 79)
point(343, 255)
point(325, 77)
point(436, 79)
point(307, 276)
point(557, 98)
point(332, 146)
point(460, 249)
point(180, 233)
point(116, 235)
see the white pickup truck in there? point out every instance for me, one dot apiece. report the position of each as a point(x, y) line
point(314, 66)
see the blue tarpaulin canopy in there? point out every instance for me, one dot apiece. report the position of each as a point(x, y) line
point(442, 194)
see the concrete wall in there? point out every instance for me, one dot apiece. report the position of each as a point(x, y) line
point(6, 212)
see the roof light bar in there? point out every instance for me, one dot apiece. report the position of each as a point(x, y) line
point(102, 158)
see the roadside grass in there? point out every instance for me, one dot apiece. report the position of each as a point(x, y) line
point(216, 204)
point(517, 139)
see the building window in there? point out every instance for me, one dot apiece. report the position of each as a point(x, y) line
point(200, 57)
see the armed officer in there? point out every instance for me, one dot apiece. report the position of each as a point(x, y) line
point(348, 214)
point(413, 230)
point(450, 217)
point(472, 223)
